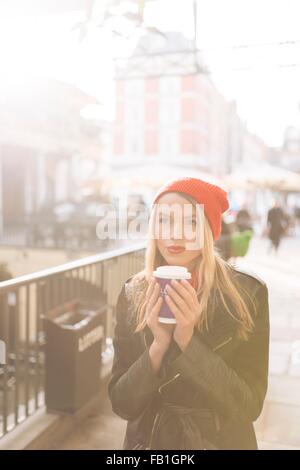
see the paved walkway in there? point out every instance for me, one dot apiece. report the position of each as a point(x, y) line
point(279, 425)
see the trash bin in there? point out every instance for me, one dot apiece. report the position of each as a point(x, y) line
point(74, 338)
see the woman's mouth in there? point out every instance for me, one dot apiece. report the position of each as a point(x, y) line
point(173, 249)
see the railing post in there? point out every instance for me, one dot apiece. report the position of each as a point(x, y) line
point(111, 296)
point(4, 367)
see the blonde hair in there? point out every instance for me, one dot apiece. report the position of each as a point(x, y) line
point(216, 277)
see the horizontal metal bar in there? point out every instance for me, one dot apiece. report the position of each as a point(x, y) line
point(62, 268)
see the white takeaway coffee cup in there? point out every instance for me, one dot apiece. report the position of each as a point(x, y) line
point(164, 276)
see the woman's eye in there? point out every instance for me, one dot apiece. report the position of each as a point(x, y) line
point(165, 220)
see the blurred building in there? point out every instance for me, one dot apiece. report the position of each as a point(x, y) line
point(254, 150)
point(169, 110)
point(288, 155)
point(46, 146)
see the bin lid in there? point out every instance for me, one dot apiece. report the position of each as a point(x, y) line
point(72, 320)
point(74, 314)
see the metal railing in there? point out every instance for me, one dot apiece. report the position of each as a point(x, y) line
point(25, 301)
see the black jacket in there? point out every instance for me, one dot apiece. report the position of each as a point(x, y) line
point(217, 371)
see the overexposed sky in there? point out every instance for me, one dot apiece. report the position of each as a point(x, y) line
point(263, 77)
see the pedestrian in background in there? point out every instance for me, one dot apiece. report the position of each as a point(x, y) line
point(276, 225)
point(243, 219)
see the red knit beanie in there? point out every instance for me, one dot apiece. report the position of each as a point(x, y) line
point(211, 196)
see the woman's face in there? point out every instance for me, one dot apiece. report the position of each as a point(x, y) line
point(177, 228)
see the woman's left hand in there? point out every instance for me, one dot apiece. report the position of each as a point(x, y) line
point(183, 302)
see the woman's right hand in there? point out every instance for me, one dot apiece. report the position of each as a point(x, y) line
point(162, 332)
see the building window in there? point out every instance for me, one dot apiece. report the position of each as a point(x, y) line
point(169, 111)
point(134, 144)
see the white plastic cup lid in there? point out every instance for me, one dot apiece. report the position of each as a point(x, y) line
point(172, 272)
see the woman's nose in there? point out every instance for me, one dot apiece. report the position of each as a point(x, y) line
point(176, 231)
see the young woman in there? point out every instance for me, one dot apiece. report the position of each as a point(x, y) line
point(207, 374)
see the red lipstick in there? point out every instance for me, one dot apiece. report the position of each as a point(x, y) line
point(174, 249)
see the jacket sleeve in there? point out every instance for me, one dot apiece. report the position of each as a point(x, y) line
point(133, 381)
point(237, 391)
